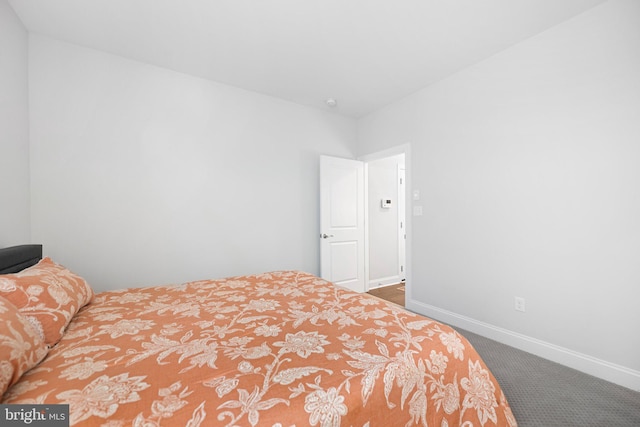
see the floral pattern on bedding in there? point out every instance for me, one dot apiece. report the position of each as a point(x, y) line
point(277, 349)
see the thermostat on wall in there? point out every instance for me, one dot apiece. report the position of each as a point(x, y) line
point(386, 203)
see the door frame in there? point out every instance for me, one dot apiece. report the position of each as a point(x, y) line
point(390, 152)
point(402, 227)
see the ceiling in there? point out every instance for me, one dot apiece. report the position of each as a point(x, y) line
point(364, 53)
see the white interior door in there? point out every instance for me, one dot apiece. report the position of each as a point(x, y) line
point(342, 217)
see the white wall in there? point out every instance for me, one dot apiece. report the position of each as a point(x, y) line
point(384, 266)
point(142, 175)
point(528, 168)
point(14, 130)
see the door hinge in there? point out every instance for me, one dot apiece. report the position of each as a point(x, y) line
point(402, 269)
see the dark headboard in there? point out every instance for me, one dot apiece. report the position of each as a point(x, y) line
point(16, 258)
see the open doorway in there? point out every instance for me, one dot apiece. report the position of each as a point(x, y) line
point(347, 256)
point(388, 224)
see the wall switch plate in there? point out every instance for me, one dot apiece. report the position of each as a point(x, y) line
point(417, 211)
point(416, 194)
point(519, 304)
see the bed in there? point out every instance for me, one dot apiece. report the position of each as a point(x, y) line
point(275, 349)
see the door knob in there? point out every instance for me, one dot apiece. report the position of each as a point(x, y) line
point(326, 236)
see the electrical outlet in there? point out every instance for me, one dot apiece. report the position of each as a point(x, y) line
point(519, 304)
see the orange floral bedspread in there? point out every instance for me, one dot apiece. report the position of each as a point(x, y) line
point(276, 349)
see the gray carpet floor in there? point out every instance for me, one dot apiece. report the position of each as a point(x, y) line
point(546, 394)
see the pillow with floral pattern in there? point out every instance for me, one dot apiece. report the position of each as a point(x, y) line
point(21, 348)
point(48, 295)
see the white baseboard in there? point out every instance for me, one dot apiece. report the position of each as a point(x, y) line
point(599, 368)
point(384, 281)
